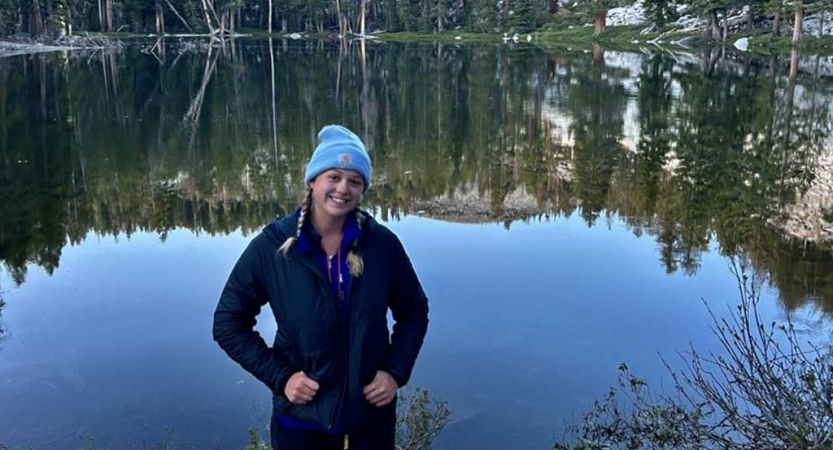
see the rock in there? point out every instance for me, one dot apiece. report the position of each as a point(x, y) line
point(295, 36)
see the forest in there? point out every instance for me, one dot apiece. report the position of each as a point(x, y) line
point(719, 18)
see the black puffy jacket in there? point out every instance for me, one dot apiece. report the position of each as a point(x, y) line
point(342, 355)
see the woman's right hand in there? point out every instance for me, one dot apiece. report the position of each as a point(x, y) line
point(300, 389)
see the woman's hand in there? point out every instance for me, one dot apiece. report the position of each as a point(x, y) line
point(300, 389)
point(381, 390)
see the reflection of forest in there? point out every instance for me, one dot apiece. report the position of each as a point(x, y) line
point(3, 334)
point(689, 152)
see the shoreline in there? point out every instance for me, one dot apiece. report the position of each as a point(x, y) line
point(615, 38)
point(28, 46)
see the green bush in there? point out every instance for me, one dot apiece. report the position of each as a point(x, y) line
point(766, 389)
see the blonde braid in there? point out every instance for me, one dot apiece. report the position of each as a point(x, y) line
point(304, 209)
point(353, 259)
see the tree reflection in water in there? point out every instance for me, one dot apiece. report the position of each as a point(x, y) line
point(690, 152)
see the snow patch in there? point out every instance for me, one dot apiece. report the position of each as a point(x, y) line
point(811, 25)
point(628, 15)
point(742, 44)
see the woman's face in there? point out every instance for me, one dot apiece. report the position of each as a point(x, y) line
point(336, 192)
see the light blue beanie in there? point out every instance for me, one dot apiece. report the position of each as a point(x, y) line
point(339, 148)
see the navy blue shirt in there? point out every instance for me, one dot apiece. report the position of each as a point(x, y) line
point(339, 275)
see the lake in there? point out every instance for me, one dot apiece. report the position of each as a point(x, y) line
point(567, 210)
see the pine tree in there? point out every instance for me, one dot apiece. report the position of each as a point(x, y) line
point(392, 22)
point(483, 15)
point(661, 12)
point(523, 17)
point(9, 12)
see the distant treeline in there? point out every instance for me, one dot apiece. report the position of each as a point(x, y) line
point(140, 16)
point(58, 17)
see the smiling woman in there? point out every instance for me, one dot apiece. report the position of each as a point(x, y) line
point(333, 369)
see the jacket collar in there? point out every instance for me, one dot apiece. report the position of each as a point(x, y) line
point(284, 227)
point(310, 239)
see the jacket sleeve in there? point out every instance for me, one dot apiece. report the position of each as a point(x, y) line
point(234, 321)
point(409, 307)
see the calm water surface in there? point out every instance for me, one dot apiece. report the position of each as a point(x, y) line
point(566, 211)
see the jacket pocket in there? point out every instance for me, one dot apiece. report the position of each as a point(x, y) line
point(374, 348)
point(322, 366)
point(288, 353)
point(281, 406)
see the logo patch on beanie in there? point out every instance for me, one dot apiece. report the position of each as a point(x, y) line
point(344, 158)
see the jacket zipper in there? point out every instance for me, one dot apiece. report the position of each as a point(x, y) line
point(346, 348)
point(328, 289)
point(345, 333)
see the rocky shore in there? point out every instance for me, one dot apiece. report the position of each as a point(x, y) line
point(22, 44)
point(468, 206)
point(808, 218)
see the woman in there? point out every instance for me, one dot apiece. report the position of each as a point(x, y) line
point(330, 273)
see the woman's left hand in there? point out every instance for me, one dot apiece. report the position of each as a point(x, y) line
point(381, 390)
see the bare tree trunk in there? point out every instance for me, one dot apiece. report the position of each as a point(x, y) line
point(821, 22)
point(439, 22)
point(100, 17)
point(176, 13)
point(339, 18)
point(598, 56)
point(708, 30)
point(505, 11)
point(214, 13)
point(750, 19)
point(439, 99)
point(160, 19)
point(269, 11)
point(715, 28)
point(600, 21)
point(109, 4)
point(274, 108)
point(362, 13)
point(553, 8)
point(49, 23)
point(725, 26)
point(36, 20)
point(785, 146)
point(776, 23)
point(207, 17)
point(231, 22)
point(41, 68)
point(799, 20)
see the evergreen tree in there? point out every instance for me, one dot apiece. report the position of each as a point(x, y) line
point(392, 16)
point(9, 15)
point(523, 17)
point(661, 12)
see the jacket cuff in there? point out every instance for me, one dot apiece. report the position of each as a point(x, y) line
point(280, 382)
point(399, 379)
